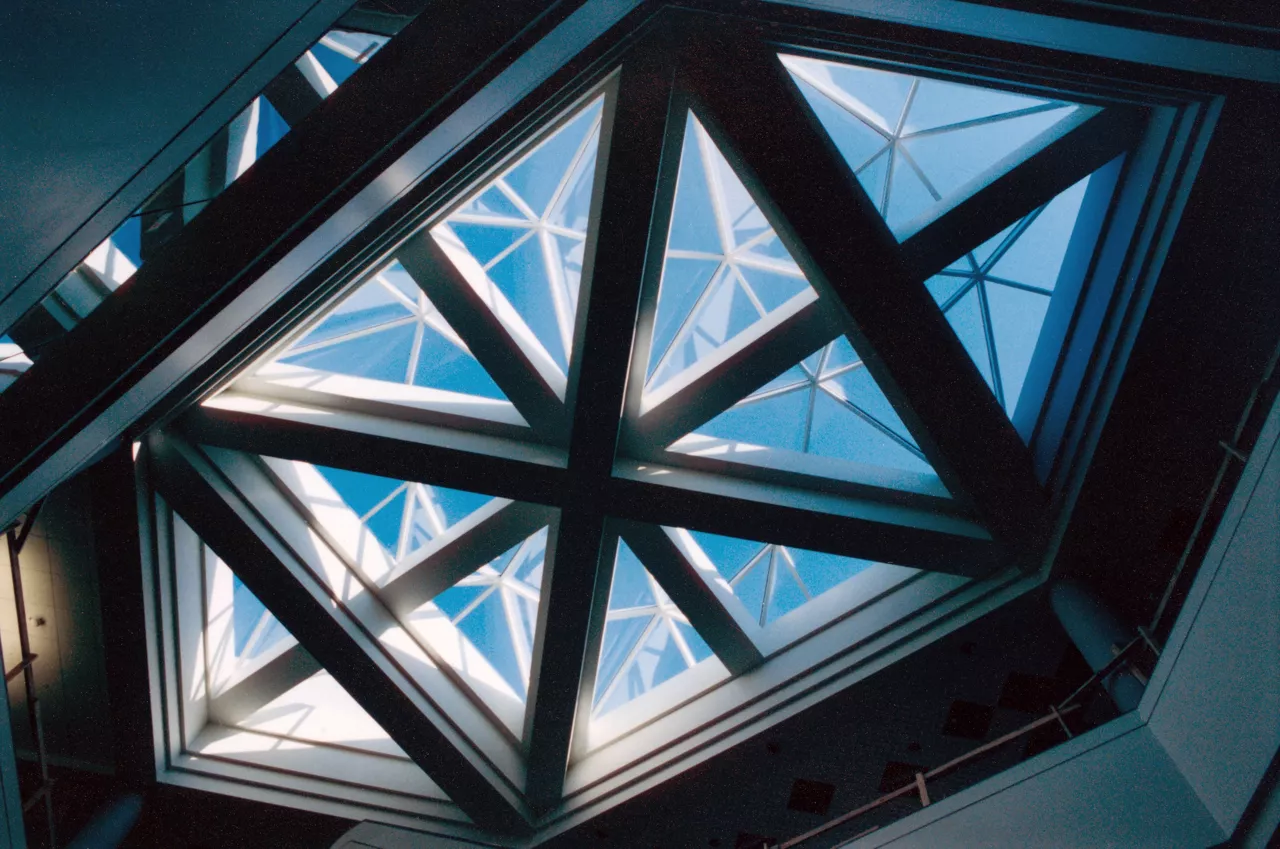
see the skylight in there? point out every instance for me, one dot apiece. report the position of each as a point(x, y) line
point(919, 145)
point(639, 514)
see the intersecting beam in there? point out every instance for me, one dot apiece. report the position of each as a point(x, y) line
point(922, 539)
point(437, 64)
point(748, 361)
point(525, 373)
point(274, 572)
point(712, 612)
point(1041, 177)
point(618, 251)
point(377, 447)
point(848, 253)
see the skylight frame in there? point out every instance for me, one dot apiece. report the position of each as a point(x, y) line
point(583, 786)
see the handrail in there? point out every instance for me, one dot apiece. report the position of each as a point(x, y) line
point(918, 784)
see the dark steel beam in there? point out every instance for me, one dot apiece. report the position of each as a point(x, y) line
point(682, 581)
point(921, 539)
point(278, 575)
point(434, 66)
point(396, 450)
point(618, 254)
point(512, 368)
point(292, 95)
point(848, 253)
point(1043, 176)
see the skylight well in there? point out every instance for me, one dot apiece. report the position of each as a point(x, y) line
point(572, 515)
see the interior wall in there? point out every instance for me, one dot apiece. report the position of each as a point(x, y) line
point(64, 621)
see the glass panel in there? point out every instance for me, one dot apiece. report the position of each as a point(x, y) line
point(494, 613)
point(725, 268)
point(388, 330)
point(828, 405)
point(321, 712)
point(403, 516)
point(527, 229)
point(253, 629)
point(647, 640)
point(919, 145)
point(773, 580)
point(997, 296)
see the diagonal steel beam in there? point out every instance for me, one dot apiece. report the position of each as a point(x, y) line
point(133, 352)
point(398, 450)
point(713, 612)
point(737, 369)
point(273, 571)
point(618, 254)
point(523, 372)
point(848, 253)
point(1041, 177)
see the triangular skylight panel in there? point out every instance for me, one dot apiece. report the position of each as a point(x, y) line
point(647, 641)
point(527, 230)
point(827, 405)
point(725, 268)
point(381, 523)
point(240, 633)
point(773, 580)
point(381, 338)
point(997, 296)
point(484, 625)
point(920, 145)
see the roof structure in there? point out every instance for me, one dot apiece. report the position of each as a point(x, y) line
point(542, 455)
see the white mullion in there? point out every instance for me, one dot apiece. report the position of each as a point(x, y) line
point(776, 392)
point(844, 401)
point(751, 563)
point(1014, 284)
point(1019, 228)
point(795, 572)
point(763, 264)
point(915, 166)
point(406, 524)
point(349, 336)
point(514, 197)
point(435, 513)
point(629, 659)
point(631, 612)
point(707, 151)
point(490, 220)
point(844, 100)
point(475, 602)
point(960, 293)
point(683, 646)
point(990, 119)
point(559, 290)
point(813, 399)
point(690, 320)
point(906, 108)
point(770, 582)
point(997, 384)
point(387, 499)
point(519, 644)
point(395, 293)
point(511, 248)
point(583, 147)
point(761, 312)
point(687, 254)
point(415, 352)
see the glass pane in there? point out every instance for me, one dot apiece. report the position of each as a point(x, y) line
point(827, 405)
point(388, 330)
point(773, 580)
point(253, 630)
point(495, 611)
point(647, 640)
point(997, 296)
point(918, 145)
point(527, 229)
point(402, 516)
point(725, 268)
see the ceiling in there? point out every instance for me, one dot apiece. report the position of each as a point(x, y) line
point(1209, 331)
